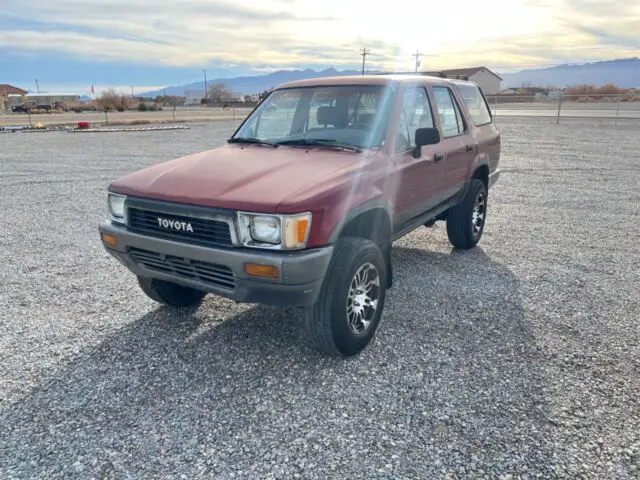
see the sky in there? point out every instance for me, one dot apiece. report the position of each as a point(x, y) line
point(69, 45)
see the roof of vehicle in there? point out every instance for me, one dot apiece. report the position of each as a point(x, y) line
point(385, 79)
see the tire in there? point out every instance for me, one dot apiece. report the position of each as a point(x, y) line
point(170, 293)
point(328, 321)
point(464, 229)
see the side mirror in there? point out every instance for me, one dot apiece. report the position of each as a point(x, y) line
point(425, 136)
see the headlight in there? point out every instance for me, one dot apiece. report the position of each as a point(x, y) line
point(288, 232)
point(116, 207)
point(265, 229)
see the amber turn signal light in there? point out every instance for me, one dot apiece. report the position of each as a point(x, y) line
point(266, 271)
point(109, 239)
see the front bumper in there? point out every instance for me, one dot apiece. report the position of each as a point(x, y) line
point(298, 283)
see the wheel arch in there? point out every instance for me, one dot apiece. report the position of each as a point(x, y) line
point(374, 222)
point(371, 221)
point(482, 173)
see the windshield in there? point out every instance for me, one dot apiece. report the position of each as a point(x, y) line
point(347, 115)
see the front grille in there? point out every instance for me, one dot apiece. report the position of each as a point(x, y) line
point(217, 275)
point(206, 232)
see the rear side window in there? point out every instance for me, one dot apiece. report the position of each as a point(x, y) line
point(475, 102)
point(450, 116)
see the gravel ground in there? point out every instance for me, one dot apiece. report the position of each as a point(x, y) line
point(517, 359)
point(196, 114)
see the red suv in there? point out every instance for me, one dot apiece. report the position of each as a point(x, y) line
point(303, 203)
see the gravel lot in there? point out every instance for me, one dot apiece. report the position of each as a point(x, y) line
point(518, 359)
point(182, 114)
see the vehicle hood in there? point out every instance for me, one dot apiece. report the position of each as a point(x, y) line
point(238, 177)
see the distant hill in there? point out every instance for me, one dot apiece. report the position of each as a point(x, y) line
point(253, 84)
point(622, 73)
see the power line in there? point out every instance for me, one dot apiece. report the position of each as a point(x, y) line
point(364, 54)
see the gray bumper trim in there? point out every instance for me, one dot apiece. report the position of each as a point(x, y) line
point(299, 282)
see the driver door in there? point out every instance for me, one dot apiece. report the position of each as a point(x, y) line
point(418, 179)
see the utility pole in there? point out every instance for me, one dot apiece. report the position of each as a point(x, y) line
point(364, 54)
point(37, 86)
point(417, 55)
point(205, 87)
point(131, 91)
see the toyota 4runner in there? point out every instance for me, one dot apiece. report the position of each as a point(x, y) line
point(302, 204)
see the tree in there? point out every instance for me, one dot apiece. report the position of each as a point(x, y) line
point(263, 95)
point(219, 93)
point(112, 100)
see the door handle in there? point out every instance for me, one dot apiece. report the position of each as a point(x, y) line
point(438, 156)
point(469, 148)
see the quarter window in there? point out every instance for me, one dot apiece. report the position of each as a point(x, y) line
point(448, 111)
point(415, 113)
point(476, 104)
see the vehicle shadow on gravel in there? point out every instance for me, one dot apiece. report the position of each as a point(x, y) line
point(453, 382)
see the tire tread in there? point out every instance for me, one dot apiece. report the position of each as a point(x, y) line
point(458, 219)
point(318, 318)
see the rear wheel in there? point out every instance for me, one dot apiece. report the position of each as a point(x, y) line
point(344, 319)
point(170, 293)
point(465, 221)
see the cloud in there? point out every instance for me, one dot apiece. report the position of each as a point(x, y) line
point(290, 33)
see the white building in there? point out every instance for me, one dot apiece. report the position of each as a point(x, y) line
point(489, 82)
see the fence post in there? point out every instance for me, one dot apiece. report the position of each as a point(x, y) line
point(29, 114)
point(617, 110)
point(559, 108)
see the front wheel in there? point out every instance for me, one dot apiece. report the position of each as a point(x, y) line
point(344, 319)
point(465, 221)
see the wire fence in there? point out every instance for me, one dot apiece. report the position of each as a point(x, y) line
point(615, 106)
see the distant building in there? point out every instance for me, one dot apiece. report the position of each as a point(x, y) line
point(52, 98)
point(10, 95)
point(193, 97)
point(489, 81)
point(555, 94)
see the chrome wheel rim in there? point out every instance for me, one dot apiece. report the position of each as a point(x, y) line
point(478, 215)
point(363, 297)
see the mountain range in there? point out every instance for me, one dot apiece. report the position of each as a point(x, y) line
point(623, 73)
point(253, 84)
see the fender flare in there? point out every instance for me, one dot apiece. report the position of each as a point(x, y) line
point(359, 210)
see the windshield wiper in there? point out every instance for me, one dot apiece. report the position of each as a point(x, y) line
point(320, 142)
point(255, 141)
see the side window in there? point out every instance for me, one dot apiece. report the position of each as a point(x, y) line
point(415, 113)
point(450, 116)
point(475, 102)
